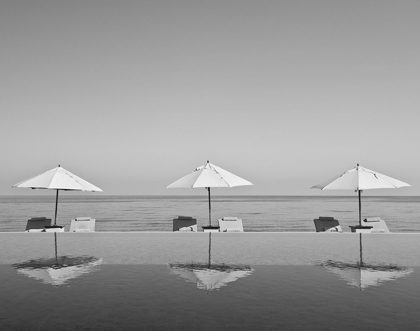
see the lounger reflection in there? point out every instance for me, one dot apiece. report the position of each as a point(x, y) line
point(208, 276)
point(58, 270)
point(364, 275)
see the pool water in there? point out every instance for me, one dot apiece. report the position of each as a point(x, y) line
point(189, 283)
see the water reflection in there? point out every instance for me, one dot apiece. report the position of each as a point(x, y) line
point(59, 269)
point(364, 275)
point(209, 276)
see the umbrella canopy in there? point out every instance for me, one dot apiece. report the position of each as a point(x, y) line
point(208, 176)
point(58, 179)
point(359, 179)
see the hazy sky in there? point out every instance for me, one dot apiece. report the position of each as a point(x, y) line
point(133, 95)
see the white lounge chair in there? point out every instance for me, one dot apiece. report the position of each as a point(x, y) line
point(327, 224)
point(54, 228)
point(230, 224)
point(37, 224)
point(378, 225)
point(82, 224)
point(184, 224)
point(210, 228)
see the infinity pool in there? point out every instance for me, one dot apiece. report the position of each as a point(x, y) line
point(237, 281)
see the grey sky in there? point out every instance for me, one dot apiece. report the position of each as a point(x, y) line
point(132, 95)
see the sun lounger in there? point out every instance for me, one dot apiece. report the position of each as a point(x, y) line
point(360, 229)
point(54, 228)
point(378, 225)
point(327, 224)
point(210, 228)
point(82, 224)
point(230, 224)
point(184, 224)
point(37, 224)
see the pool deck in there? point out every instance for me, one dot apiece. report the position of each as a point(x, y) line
point(249, 248)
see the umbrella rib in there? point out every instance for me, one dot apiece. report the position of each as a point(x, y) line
point(221, 176)
point(75, 179)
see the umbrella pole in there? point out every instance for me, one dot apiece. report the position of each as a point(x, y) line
point(56, 204)
point(360, 208)
point(208, 188)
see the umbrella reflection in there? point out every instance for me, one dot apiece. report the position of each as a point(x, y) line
point(364, 275)
point(59, 269)
point(208, 276)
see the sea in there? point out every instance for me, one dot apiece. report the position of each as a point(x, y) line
point(258, 213)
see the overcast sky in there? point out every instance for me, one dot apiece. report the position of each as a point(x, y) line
point(133, 95)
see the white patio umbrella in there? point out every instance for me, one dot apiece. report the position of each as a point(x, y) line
point(58, 179)
point(208, 176)
point(360, 179)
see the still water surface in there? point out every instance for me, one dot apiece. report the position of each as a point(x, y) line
point(150, 297)
point(238, 281)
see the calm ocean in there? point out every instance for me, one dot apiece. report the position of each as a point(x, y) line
point(259, 213)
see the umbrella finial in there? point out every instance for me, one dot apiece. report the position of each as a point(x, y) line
point(208, 161)
point(59, 166)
